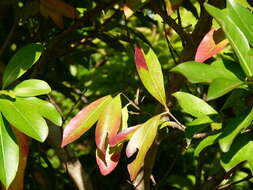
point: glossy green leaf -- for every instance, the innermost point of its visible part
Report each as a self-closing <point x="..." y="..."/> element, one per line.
<point x="241" y="150"/>
<point x="221" y="86"/>
<point x="24" y="118"/>
<point x="250" y="52"/>
<point x="200" y="121"/>
<point x="32" y="87"/>
<point x="236" y="38"/>
<point x="21" y="62"/>
<point x="150" y="72"/>
<point x="44" y="108"/>
<point x="141" y="140"/>
<point x="242" y="17"/>
<point x="232" y="129"/>
<point x="108" y="123"/>
<point x="208" y="141"/>
<point x="9" y="154"/>
<point x="84" y="120"/>
<point x="193" y="105"/>
<point x="202" y="73"/>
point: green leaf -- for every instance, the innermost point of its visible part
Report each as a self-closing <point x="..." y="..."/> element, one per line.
<point x="141" y="140"/>
<point x="44" y="108"/>
<point x="32" y="87"/>
<point x="150" y="72"/>
<point x="9" y="154"/>
<point x="242" y="17"/>
<point x="233" y="128"/>
<point x="236" y="38"/>
<point x="241" y="150"/>
<point x="21" y="62"/>
<point x="208" y="141"/>
<point x="84" y="120"/>
<point x="202" y="73"/>
<point x="221" y="86"/>
<point x="108" y="124"/>
<point x="25" y="119"/>
<point x="193" y="105"/>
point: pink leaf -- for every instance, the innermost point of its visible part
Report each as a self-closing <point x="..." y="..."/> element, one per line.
<point x="123" y="135"/>
<point x="108" y="161"/>
<point x="139" y="58"/>
<point x="209" y="46"/>
<point x="84" y="120"/>
<point x="108" y="124"/>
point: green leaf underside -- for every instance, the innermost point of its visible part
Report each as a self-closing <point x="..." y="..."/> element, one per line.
<point x="236" y="38"/>
<point x="241" y="150"/>
<point x="9" y="154"/>
<point x="84" y="120"/>
<point x="44" y="108"/>
<point x="193" y="105"/>
<point x="151" y="75"/>
<point x="141" y="140"/>
<point x="32" y="87"/>
<point x="221" y="86"/>
<point x="21" y="62"/>
<point x="25" y="119"/>
<point x="232" y="129"/>
<point x="242" y="17"/>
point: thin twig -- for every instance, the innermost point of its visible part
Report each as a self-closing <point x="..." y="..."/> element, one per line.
<point x="226" y="186"/>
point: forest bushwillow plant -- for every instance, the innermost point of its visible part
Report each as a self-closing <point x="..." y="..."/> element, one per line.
<point x="222" y="76"/>
<point x="20" y="109"/>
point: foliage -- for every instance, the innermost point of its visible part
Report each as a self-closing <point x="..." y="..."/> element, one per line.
<point x="167" y="83"/>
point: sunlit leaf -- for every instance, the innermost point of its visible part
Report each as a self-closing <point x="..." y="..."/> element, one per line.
<point x="21" y="62"/>
<point x="25" y="119"/>
<point x="233" y="128"/>
<point x="31" y="87"/>
<point x="242" y="17"/>
<point x="193" y="105"/>
<point x="9" y="154"/>
<point x="150" y="72"/>
<point x="241" y="150"/>
<point x="236" y="38"/>
<point x="208" y="47"/>
<point x="84" y="120"/>
<point x="108" y="124"/>
<point x="108" y="161"/>
<point x="141" y="141"/>
<point x="18" y="182"/>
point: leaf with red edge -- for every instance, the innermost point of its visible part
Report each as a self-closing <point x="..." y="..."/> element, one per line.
<point x="141" y="140"/>
<point x="23" y="142"/>
<point x="213" y="43"/>
<point x="108" y="161"/>
<point x="108" y="124"/>
<point x="150" y="72"/>
<point x="124" y="135"/>
<point x="84" y="120"/>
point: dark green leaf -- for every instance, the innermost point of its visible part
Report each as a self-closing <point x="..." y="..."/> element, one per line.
<point x="21" y="62"/>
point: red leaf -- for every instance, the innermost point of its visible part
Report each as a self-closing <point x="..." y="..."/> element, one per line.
<point x="84" y="120"/>
<point x="109" y="123"/>
<point x="123" y="135"/>
<point x="108" y="161"/>
<point x="140" y="59"/>
<point x="208" y="46"/>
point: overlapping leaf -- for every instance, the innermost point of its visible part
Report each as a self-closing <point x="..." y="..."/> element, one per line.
<point x="208" y="47"/>
<point x="32" y="87"/>
<point x="242" y="17"/>
<point x="25" y="119"/>
<point x="108" y="124"/>
<point x="21" y="62"/>
<point x="236" y="38"/>
<point x="150" y="72"/>
<point x="193" y="105"/>
<point x="9" y="154"/>
<point x="141" y="141"/>
<point x="84" y="120"/>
